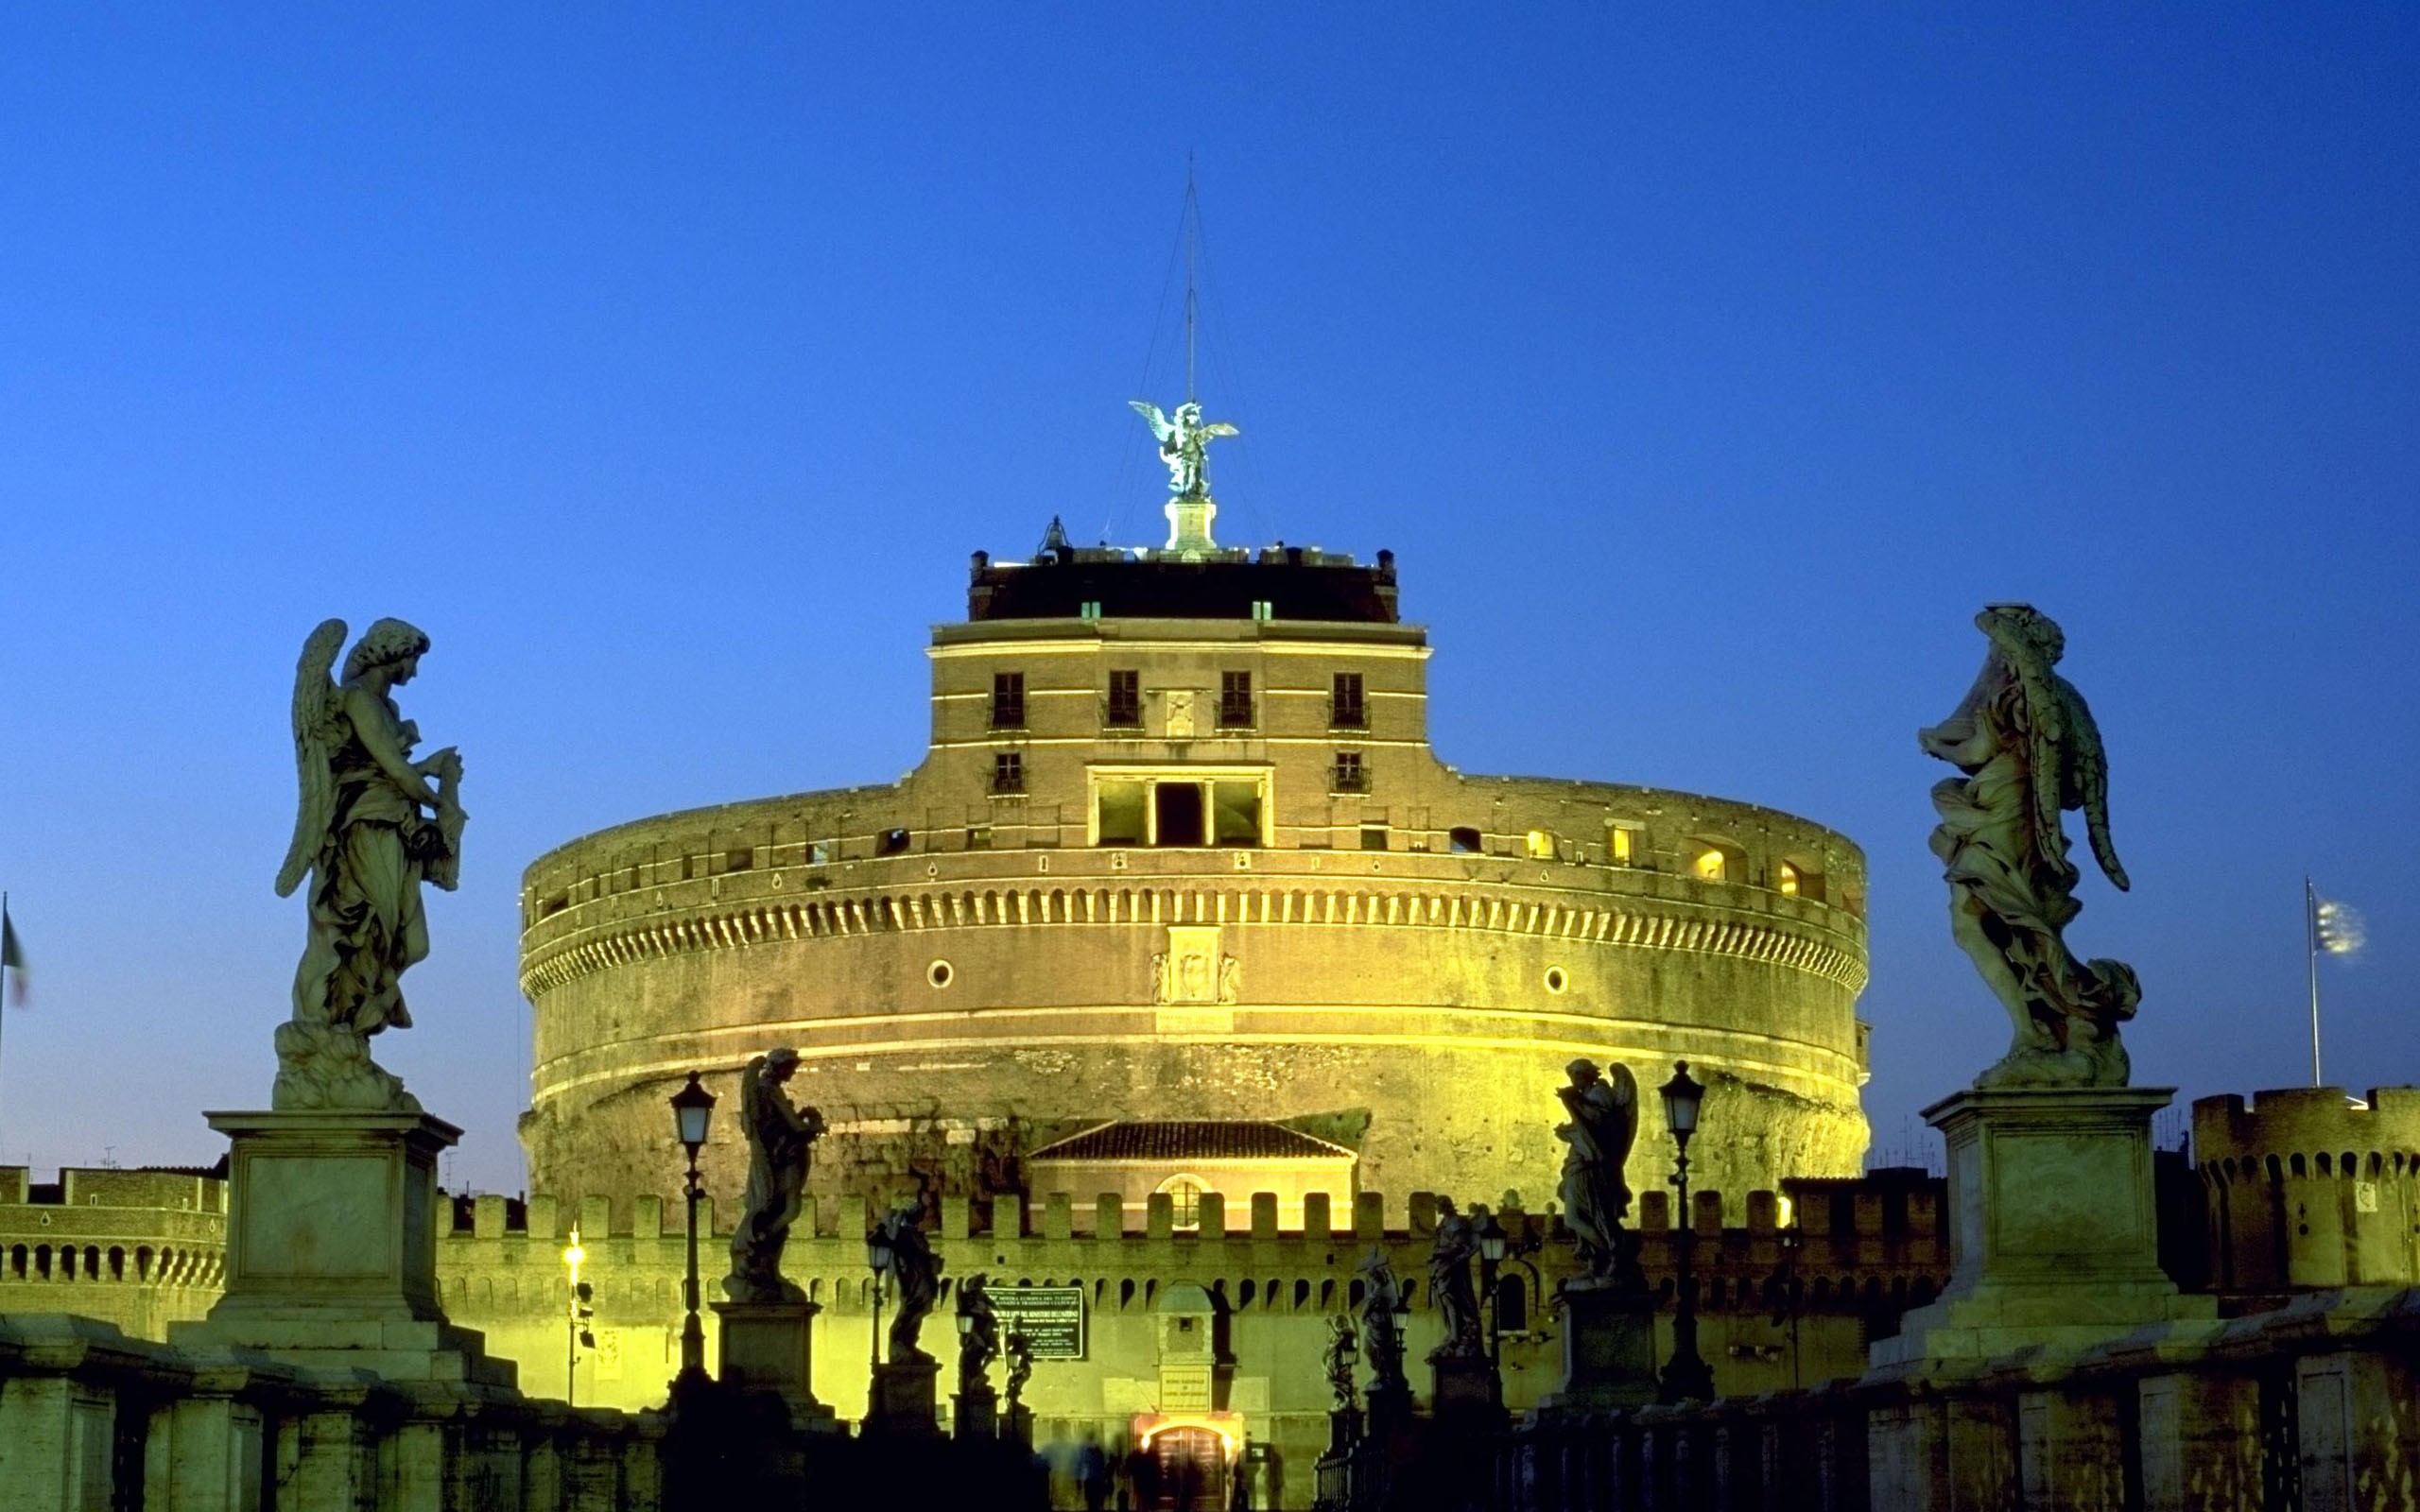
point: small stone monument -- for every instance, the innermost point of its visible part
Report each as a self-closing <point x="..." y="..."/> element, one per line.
<point x="975" y="1407"/>
<point x="767" y="1322"/>
<point x="332" y="1215"/>
<point x="1462" y="1379"/>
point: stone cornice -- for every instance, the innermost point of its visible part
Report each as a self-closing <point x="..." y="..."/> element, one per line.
<point x="1628" y="923"/>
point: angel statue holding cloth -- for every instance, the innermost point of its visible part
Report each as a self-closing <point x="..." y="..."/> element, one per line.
<point x="369" y="830"/>
<point x="2027" y="751"/>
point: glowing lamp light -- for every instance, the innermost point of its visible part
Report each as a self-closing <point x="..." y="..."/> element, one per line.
<point x="1492" y="1239"/>
<point x="573" y="1254"/>
<point x="878" y="1251"/>
<point x="693" y="1109"/>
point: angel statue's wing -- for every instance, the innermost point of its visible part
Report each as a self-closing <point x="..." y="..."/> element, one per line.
<point x="2041" y="718"/>
<point x="1150" y="413"/>
<point x="315" y="697"/>
<point x="1219" y="428"/>
<point x="2088" y="780"/>
<point x="1625" y="1087"/>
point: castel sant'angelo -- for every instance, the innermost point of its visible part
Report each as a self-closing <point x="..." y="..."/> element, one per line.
<point x="1180" y="899"/>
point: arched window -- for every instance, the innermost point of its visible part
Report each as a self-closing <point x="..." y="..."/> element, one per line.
<point x="1184" y="1200"/>
<point x="1462" y="840"/>
<point x="1541" y="844"/>
<point x="1786" y="880"/>
<point x="1710" y="864"/>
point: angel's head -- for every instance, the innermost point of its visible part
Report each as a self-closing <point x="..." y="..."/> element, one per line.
<point x="2023" y="628"/>
<point x="1581" y="1072"/>
<point x="780" y="1064"/>
<point x="390" y="643"/>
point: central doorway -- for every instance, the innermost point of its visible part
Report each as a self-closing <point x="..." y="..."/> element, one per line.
<point x="1180" y="812"/>
<point x="1193" y="1470"/>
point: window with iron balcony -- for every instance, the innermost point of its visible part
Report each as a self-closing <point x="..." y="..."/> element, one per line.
<point x="1008" y="772"/>
<point x="1008" y="700"/>
<point x="1235" y="700"/>
<point x="1125" y="708"/>
<point x="1349" y="776"/>
<point x="1345" y="709"/>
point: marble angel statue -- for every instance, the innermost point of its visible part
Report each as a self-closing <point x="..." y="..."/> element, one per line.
<point x="1597" y="1139"/>
<point x="2027" y="752"/>
<point x="373" y="826"/>
<point x="1185" y="444"/>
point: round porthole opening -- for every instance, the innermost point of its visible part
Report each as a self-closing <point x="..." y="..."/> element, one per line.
<point x="941" y="974"/>
<point x="1556" y="979"/>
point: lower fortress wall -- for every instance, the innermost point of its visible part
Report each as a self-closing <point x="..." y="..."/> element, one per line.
<point x="1861" y="1251"/>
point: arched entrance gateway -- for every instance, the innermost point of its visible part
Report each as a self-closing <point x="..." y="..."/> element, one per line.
<point x="1194" y="1454"/>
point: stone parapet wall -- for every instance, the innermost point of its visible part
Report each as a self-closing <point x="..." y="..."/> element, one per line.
<point x="2315" y="1406"/>
<point x="2307" y="1190"/>
<point x="91" y="1419"/>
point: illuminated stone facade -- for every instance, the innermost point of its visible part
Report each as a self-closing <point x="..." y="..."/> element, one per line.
<point x="2310" y="1191"/>
<point x="140" y="1249"/>
<point x="1180" y="850"/>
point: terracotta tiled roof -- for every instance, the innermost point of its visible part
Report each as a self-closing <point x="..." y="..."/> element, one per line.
<point x="1191" y="1139"/>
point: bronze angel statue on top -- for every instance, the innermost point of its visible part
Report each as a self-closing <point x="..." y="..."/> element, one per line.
<point x="369" y="830"/>
<point x="2030" y="751"/>
<point x="1185" y="444"/>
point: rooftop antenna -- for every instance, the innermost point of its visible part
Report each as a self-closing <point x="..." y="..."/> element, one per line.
<point x="1192" y="218"/>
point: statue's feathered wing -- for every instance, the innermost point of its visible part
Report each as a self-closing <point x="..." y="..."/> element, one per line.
<point x="2087" y="779"/>
<point x="1150" y="413"/>
<point x="314" y="699"/>
<point x="1625" y="1089"/>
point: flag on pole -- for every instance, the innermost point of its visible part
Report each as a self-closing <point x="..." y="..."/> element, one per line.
<point x="12" y="957"/>
<point x="2336" y="929"/>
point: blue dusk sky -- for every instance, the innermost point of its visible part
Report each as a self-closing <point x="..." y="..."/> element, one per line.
<point x="1705" y="373"/>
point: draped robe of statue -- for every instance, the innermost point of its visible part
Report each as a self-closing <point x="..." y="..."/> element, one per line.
<point x="780" y="1139"/>
<point x="979" y="1345"/>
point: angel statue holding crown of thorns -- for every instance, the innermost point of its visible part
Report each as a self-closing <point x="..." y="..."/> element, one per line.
<point x="369" y="830"/>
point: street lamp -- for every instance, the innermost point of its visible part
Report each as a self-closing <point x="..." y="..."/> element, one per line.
<point x="693" y="1109"/>
<point x="878" y="1261"/>
<point x="1686" y="1377"/>
<point x="576" y="1316"/>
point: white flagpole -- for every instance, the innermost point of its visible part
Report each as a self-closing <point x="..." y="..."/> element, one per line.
<point x="4" y="994"/>
<point x="2310" y="938"/>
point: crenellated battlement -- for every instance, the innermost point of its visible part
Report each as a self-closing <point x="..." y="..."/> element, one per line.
<point x="2309" y="1190"/>
<point x="1863" y="1239"/>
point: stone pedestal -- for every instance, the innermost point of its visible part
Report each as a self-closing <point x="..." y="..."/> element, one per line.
<point x="904" y="1397"/>
<point x="2054" y="1236"/>
<point x="974" y="1414"/>
<point x="1389" y="1408"/>
<point x="332" y="1247"/>
<point x="1608" y="1348"/>
<point x="767" y="1350"/>
<point x="1463" y="1386"/>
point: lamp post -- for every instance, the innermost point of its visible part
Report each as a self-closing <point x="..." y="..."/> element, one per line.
<point x="1686" y="1376"/>
<point x="693" y="1109"/>
<point x="575" y="1315"/>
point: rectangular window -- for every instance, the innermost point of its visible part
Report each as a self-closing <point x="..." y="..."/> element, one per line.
<point x="1619" y="843"/>
<point x="1262" y="610"/>
<point x="1350" y="775"/>
<point x="1373" y="837"/>
<point x="1008" y="700"/>
<point x="1088" y="610"/>
<point x="1125" y="700"/>
<point x="818" y="852"/>
<point x="978" y="837"/>
<point x="1008" y="772"/>
<point x="1345" y="709"/>
<point x="1235" y="700"/>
